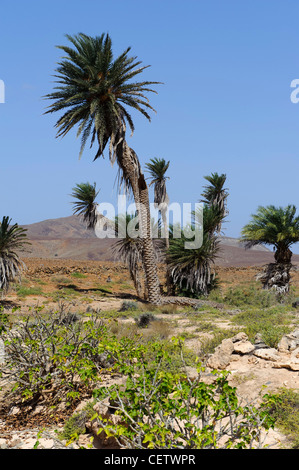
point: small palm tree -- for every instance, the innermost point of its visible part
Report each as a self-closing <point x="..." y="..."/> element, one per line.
<point x="94" y="91"/>
<point x="191" y="269"/>
<point x="216" y="194"/>
<point x="157" y="168"/>
<point x="86" y="205"/>
<point x="12" y="239"/>
<point x="277" y="226"/>
<point x="128" y="247"/>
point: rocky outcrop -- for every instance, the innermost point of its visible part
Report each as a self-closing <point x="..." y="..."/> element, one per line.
<point x="286" y="355"/>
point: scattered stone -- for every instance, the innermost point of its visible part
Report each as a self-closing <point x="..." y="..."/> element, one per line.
<point x="269" y="354"/>
<point x="289" y="342"/>
<point x="240" y="337"/>
<point x="222" y="355"/>
<point x="244" y="347"/>
<point x="259" y="343"/>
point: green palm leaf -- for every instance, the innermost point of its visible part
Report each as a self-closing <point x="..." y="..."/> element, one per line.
<point x="12" y="239"/>
<point x="277" y="226"/>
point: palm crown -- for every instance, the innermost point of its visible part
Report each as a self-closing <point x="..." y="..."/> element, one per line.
<point x="277" y="226"/>
<point x="157" y="168"/>
<point x="95" y="90"/>
<point x="215" y="194"/>
<point x="85" y="204"/>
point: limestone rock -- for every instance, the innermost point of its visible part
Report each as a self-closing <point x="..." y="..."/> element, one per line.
<point x="244" y="347"/>
<point x="221" y="357"/>
<point x="259" y="343"/>
<point x="269" y="354"/>
<point x="240" y="337"/>
<point x="289" y="342"/>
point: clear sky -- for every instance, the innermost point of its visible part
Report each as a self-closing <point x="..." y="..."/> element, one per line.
<point x="224" y="107"/>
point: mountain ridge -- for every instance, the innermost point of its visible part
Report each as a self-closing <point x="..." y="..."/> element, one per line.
<point x="69" y="238"/>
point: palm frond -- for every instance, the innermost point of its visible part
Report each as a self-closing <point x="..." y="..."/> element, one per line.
<point x="93" y="86"/>
<point x="13" y="238"/>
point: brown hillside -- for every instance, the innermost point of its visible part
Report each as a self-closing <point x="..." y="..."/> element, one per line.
<point x="68" y="238"/>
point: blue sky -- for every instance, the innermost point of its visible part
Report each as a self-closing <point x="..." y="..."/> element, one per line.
<point x="224" y="106"/>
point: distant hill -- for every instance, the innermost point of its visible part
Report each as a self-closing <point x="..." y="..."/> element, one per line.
<point x="56" y="229"/>
<point x="68" y="238"/>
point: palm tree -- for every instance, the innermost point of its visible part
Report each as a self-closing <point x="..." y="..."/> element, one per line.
<point x="277" y="226"/>
<point x="86" y="205"/>
<point x="128" y="247"/>
<point x="12" y="239"/>
<point x="191" y="269"/>
<point x="216" y="194"/>
<point x="94" y="91"/>
<point x="157" y="168"/>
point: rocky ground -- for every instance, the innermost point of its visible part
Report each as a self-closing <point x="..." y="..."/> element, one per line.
<point x="103" y="286"/>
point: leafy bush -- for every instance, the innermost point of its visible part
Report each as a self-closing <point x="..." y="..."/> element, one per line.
<point x="286" y="411"/>
<point x="128" y="305"/>
<point x="56" y="357"/>
<point x="144" y="319"/>
<point x="158" y="409"/>
<point x="271" y="323"/>
<point x="251" y="295"/>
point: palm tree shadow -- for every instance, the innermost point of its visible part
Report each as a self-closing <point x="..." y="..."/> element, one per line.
<point x="8" y="304"/>
<point x="103" y="290"/>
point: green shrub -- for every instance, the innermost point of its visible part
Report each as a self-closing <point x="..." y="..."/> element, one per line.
<point x="286" y="413"/>
<point x="78" y="275"/>
<point x="271" y="323"/>
<point x="158" y="409"/>
<point x="23" y="291"/>
<point x="56" y="357"/>
<point x="128" y="305"/>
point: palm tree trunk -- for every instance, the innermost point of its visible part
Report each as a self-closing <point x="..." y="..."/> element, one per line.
<point x="169" y="284"/>
<point x="165" y="225"/>
<point x="134" y="178"/>
<point x="149" y="261"/>
<point x="283" y="255"/>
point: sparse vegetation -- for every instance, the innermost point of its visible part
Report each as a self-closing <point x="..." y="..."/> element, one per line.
<point x="272" y="323"/>
<point x="285" y="409"/>
<point x="24" y="291"/>
<point x="161" y="409"/>
<point x="67" y="353"/>
<point x="12" y="239"/>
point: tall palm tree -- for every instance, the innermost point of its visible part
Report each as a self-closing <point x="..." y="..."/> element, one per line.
<point x="94" y="91"/>
<point x="157" y="168"/>
<point x="216" y="194"/>
<point x="12" y="239"/>
<point x="277" y="226"/>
